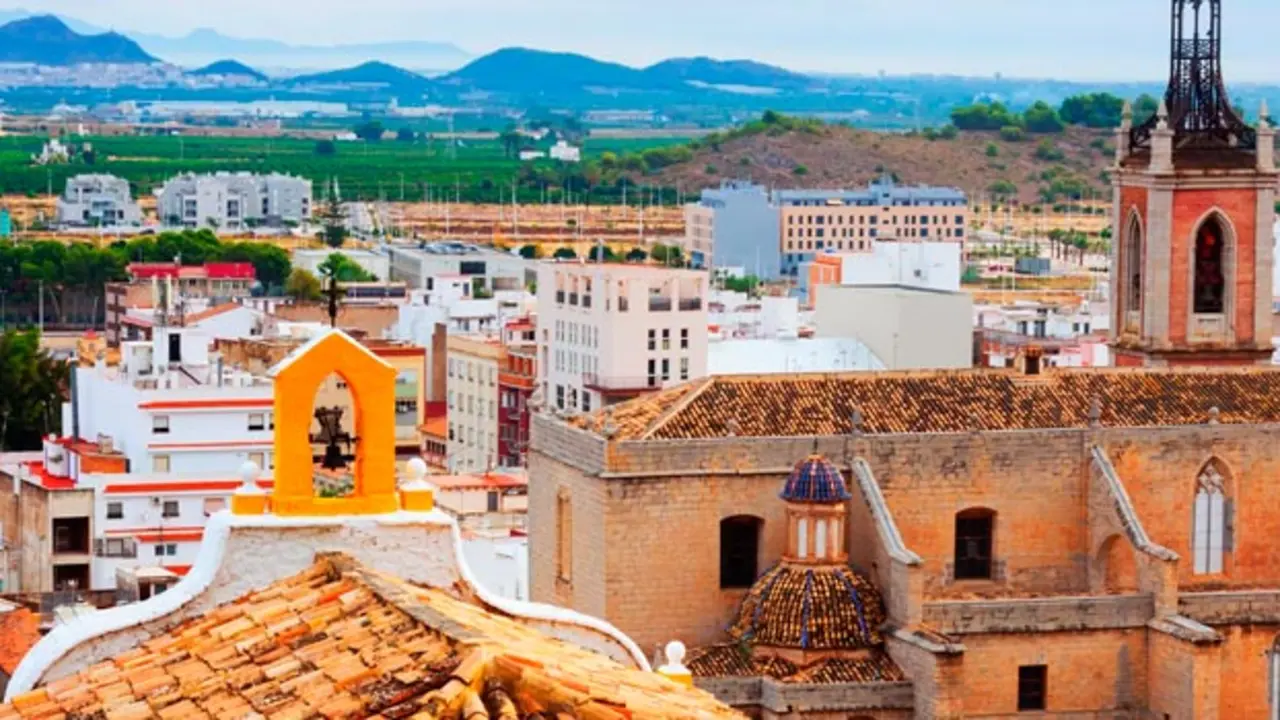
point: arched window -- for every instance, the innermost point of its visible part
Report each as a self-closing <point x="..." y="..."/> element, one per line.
<point x="802" y="538"/>
<point x="1210" y="278"/>
<point x="820" y="540"/>
<point x="974" y="531"/>
<point x="1209" y="537"/>
<point x="1133" y="265"/>
<point x="739" y="550"/>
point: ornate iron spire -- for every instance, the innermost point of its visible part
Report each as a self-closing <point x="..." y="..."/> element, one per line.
<point x="1200" y="112"/>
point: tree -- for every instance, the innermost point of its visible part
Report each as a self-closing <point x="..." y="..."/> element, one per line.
<point x="1049" y="152"/>
<point x="406" y="134"/>
<point x="1095" y="110"/>
<point x="639" y="255"/>
<point x="334" y="218"/>
<point x="746" y="284"/>
<point x="993" y="150"/>
<point x="593" y="255"/>
<point x="670" y="255"/>
<point x="511" y="140"/>
<point x="531" y="252"/>
<point x="32" y="387"/>
<point x="983" y="116"/>
<point x="564" y="253"/>
<point x="344" y="269"/>
<point x="1144" y="108"/>
<point x="303" y="286"/>
<point x="369" y="131"/>
<point x="326" y="148"/>
<point x="1040" y="118"/>
<point x="1012" y="133"/>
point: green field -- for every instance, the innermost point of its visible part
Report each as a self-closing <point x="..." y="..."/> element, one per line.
<point x="392" y="170"/>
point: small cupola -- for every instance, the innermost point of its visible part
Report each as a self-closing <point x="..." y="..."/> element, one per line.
<point x="815" y="495"/>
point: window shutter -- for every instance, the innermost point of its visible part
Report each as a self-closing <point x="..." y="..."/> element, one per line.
<point x="1229" y="526"/>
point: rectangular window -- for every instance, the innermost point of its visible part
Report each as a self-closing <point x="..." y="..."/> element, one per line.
<point x="973" y="545"/>
<point x="257" y="421"/>
<point x="666" y="339"/>
<point x="1032" y="686"/>
<point x="586" y="401"/>
<point x="653" y="339"/>
<point x="115" y="511"/>
<point x="684" y="338"/>
<point x="560" y="396"/>
<point x="160" y="424"/>
<point x="653" y="372"/>
<point x="170" y="509"/>
<point x="159" y="551"/>
<point x="666" y="369"/>
<point x="160" y="463"/>
<point x="684" y="368"/>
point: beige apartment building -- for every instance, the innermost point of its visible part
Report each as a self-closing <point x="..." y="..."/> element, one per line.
<point x="472" y="369"/>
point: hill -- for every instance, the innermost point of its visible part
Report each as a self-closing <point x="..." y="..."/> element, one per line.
<point x="371" y="74"/>
<point x="523" y="71"/>
<point x="230" y="67"/>
<point x="47" y="40"/>
<point x="205" y="45"/>
<point x="1039" y="169"/>
<point x="726" y="73"/>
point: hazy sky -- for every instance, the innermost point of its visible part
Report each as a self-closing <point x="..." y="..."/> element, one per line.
<point x="1084" y="39"/>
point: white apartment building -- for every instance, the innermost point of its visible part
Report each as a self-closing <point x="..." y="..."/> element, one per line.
<point x="420" y="267"/>
<point x="609" y="332"/>
<point x="932" y="265"/>
<point x="97" y="201"/>
<point x="377" y="264"/>
<point x="234" y="201"/>
<point x="472" y="395"/>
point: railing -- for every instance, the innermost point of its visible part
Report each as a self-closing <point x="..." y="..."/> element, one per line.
<point x="659" y="304"/>
<point x="694" y="304"/>
<point x="115" y="547"/>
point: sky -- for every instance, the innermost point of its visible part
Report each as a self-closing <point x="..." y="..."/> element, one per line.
<point x="1065" y="39"/>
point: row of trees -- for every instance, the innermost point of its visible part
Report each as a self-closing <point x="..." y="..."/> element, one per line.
<point x="1094" y="110"/>
<point x="670" y="255"/>
<point x="32" y="387"/>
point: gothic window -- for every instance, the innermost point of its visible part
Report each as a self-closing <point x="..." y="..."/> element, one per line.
<point x="1210" y="532"/>
<point x="739" y="550"/>
<point x="1210" y="280"/>
<point x="1133" y="265"/>
<point x="974" y="530"/>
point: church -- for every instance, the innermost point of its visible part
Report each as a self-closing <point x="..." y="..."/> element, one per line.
<point x="1079" y="543"/>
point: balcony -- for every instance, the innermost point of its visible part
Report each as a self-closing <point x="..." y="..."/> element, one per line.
<point x="619" y="386"/>
<point x="658" y="303"/>
<point x="115" y="548"/>
<point x="690" y="304"/>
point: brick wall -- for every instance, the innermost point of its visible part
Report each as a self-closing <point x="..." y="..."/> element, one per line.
<point x="1184" y="678"/>
<point x="1086" y="671"/>
<point x="1246" y="670"/>
<point x="937" y="678"/>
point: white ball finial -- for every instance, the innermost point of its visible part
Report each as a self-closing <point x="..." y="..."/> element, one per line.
<point x="676" y="651"/>
<point x="249" y="473"/>
<point x="416" y="468"/>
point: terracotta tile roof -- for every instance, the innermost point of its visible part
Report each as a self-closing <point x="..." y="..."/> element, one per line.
<point x="813" y="608"/>
<point x="19" y="631"/>
<point x="944" y="401"/>
<point x="734" y="661"/>
<point x="342" y="641"/>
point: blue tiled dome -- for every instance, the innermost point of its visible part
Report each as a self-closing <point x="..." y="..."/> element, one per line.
<point x="815" y="480"/>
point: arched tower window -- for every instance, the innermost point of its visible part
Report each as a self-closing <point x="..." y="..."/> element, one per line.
<point x="1132" y="265"/>
<point x="974" y="533"/>
<point x="1210" y="278"/>
<point x="739" y="550"/>
<point x="1209" y="538"/>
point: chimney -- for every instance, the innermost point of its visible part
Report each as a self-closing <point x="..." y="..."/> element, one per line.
<point x="75" y="402"/>
<point x="1033" y="361"/>
<point x="105" y="445"/>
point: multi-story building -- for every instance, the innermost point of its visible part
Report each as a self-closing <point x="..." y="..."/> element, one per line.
<point x="608" y="332"/>
<point x="377" y="264"/>
<point x="1032" y="541"/>
<point x="168" y="293"/>
<point x="905" y="327"/>
<point x="234" y="201"/>
<point x="473" y="366"/>
<point x="1067" y="334"/>
<point x="934" y="265"/>
<point x="517" y="379"/>
<point x="421" y="267"/>
<point x="813" y="221"/>
<point x="97" y="201"/>
<point x="735" y="224"/>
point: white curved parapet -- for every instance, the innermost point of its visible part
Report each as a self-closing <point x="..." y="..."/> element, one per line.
<point x="230" y="564"/>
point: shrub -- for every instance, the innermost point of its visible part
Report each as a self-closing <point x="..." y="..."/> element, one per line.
<point x="800" y="170"/>
<point x="1012" y="133"/>
<point x="993" y="150"/>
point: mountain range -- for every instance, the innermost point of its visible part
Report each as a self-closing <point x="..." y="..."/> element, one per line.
<point x="46" y="40"/>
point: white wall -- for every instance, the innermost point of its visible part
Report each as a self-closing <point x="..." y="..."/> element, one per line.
<point x="907" y="328"/>
<point x="500" y="564"/>
<point x="915" y="264"/>
<point x="240" y="322"/>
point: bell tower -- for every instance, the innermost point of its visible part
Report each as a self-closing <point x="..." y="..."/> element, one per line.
<point x="1194" y="208"/>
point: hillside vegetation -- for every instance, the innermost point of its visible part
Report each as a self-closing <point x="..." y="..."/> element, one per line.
<point x="782" y="152"/>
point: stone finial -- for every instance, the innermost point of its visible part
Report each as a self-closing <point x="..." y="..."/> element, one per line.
<point x="1122" y="132"/>
<point x="1126" y="114"/>
<point x="1264" y="120"/>
<point x="1214" y="415"/>
<point x="674" y="668"/>
<point x="608" y="428"/>
<point x="1162" y="142"/>
<point x="416" y="493"/>
<point x="1095" y="411"/>
<point x="1266" y="141"/>
<point x="733" y="428"/>
<point x="249" y="499"/>
<point x="1162" y="116"/>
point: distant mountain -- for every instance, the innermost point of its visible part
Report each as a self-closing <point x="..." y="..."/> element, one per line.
<point x="230" y="67"/>
<point x="378" y="75"/>
<point x="46" y="40"/>
<point x="84" y="28"/>
<point x="741" y="73"/>
<point x="206" y="46"/>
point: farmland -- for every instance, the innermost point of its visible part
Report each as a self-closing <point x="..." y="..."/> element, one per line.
<point x="472" y="170"/>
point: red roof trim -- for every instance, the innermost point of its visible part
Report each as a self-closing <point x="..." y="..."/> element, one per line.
<point x="206" y="404"/>
<point x="151" y="488"/>
<point x="209" y="445"/>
